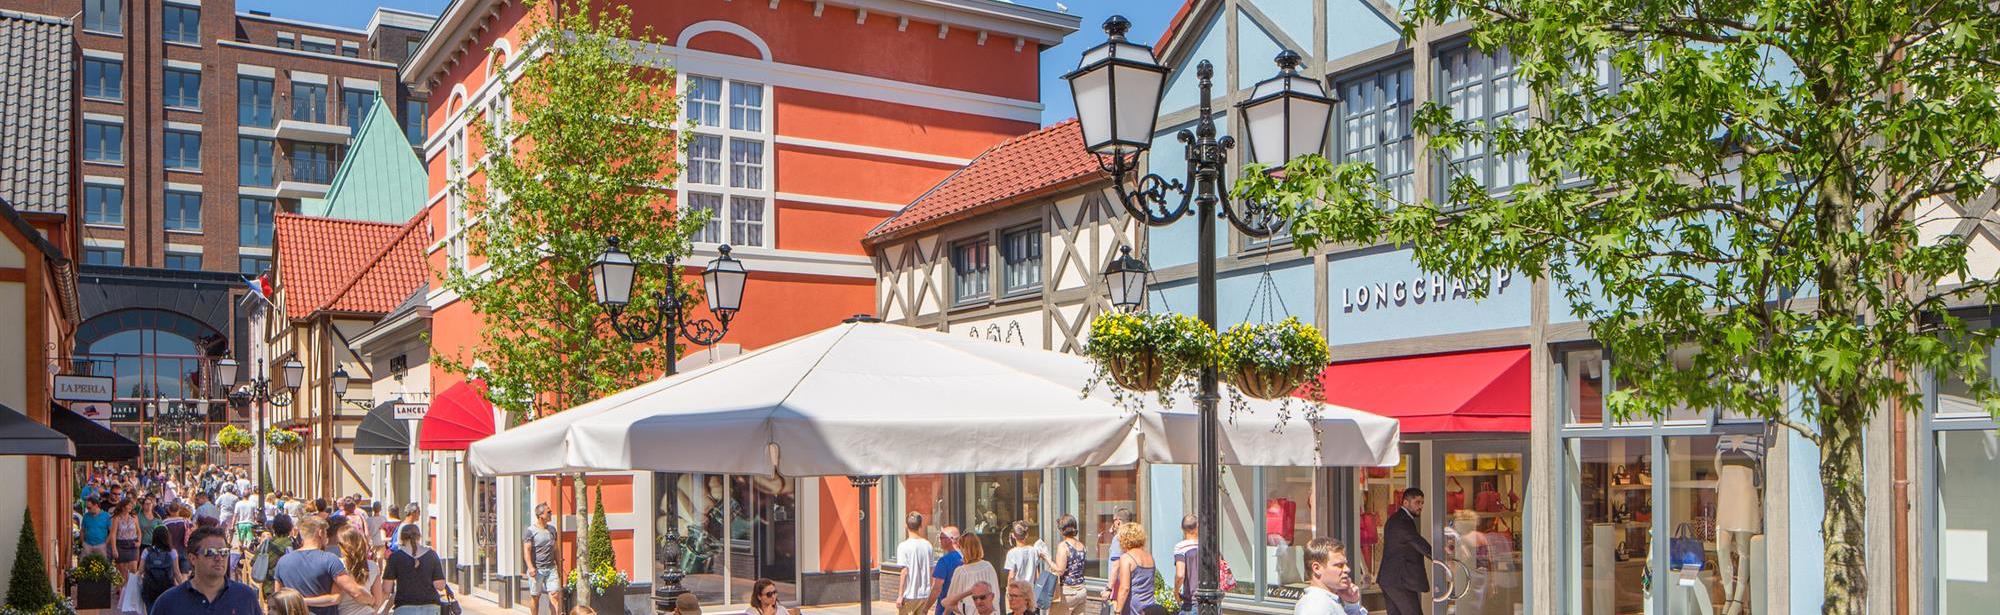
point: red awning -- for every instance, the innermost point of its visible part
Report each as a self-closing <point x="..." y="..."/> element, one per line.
<point x="1466" y="392"/>
<point x="457" y="418"/>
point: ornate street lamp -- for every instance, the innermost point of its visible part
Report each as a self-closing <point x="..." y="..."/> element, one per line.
<point x="612" y="275"/>
<point x="258" y="391"/>
<point x="1117" y="88"/>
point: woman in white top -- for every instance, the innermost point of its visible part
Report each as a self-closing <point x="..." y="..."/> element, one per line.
<point x="958" y="597"/>
<point x="1025" y="562"/>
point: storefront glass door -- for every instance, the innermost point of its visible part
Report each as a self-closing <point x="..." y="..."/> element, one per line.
<point x="1380" y="491"/>
<point x="485" y="563"/>
<point x="732" y="530"/>
<point x="1476" y="521"/>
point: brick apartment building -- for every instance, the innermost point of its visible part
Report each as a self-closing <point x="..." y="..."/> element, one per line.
<point x="198" y="123"/>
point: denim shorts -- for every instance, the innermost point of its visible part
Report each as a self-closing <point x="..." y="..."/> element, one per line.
<point x="544" y="583"/>
<point x="416" y="609"/>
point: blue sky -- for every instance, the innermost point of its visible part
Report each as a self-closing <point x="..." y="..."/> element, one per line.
<point x="1149" y="18"/>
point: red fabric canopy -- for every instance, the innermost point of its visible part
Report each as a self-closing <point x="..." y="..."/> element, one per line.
<point x="1467" y="392"/>
<point x="457" y="418"/>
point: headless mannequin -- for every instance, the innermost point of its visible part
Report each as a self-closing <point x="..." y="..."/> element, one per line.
<point x="1737" y="517"/>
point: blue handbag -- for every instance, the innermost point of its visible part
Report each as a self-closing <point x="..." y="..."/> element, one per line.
<point x="1685" y="549"/>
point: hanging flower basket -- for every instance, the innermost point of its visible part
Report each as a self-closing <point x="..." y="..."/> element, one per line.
<point x="166" y="448"/>
<point x="1270" y="361"/>
<point x="285" y="440"/>
<point x="234" y="439"/>
<point x="1148" y="352"/>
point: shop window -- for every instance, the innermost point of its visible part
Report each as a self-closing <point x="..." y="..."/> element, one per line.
<point x="1715" y="516"/>
<point x="1108" y="493"/>
<point x="1583" y="386"/>
<point x="1967" y="560"/>
<point x="998" y="500"/>
<point x="1609" y="542"/>
<point x="1380" y="491"/>
<point x="103" y="78"/>
<point x="1481" y="537"/>
<point x="181" y="24"/>
<point x="182" y="89"/>
<point x="1021" y="260"/>
<point x="970" y="270"/>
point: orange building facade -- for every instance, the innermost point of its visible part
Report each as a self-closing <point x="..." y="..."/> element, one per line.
<point x="827" y="118"/>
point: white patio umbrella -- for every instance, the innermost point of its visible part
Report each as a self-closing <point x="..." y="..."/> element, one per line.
<point x="863" y="399"/>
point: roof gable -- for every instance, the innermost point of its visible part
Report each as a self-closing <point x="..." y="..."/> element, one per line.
<point x="1006" y="174"/>
<point x="319" y="257"/>
<point x="36" y="72"/>
<point x="390" y="277"/>
<point x="381" y="179"/>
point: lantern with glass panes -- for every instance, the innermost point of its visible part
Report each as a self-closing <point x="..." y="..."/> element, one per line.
<point x="1117" y="87"/>
<point x="258" y="393"/>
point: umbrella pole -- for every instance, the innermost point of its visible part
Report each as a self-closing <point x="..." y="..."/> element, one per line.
<point x="866" y="485"/>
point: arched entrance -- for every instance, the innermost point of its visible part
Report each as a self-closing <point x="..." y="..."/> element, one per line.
<point x="157" y="359"/>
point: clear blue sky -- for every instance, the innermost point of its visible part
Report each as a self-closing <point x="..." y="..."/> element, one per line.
<point x="1149" y="18"/>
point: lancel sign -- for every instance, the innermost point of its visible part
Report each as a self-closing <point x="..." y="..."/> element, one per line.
<point x="1421" y="290"/>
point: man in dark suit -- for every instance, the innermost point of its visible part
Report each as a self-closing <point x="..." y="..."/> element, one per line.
<point x="1405" y="573"/>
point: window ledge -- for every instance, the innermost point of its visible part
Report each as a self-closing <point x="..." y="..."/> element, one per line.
<point x="105" y="225"/>
<point x="101" y="99"/>
<point x="181" y="44"/>
<point x="183" y="170"/>
<point x="108" y="163"/>
<point x="119" y="34"/>
<point x="184" y="231"/>
<point x="185" y="109"/>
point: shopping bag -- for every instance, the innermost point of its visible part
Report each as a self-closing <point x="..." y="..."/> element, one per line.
<point x="128" y="600"/>
<point x="1046" y="585"/>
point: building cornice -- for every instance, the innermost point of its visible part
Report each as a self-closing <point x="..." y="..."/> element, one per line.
<point x="304" y="54"/>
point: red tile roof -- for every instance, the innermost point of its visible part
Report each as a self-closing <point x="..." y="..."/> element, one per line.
<point x="1013" y="171"/>
<point x="1173" y="26"/>
<point x="345" y="265"/>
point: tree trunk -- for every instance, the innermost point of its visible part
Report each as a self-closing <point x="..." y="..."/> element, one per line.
<point x="1840" y="476"/>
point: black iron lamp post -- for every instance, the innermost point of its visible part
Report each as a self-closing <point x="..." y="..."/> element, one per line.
<point x="1117" y="88"/>
<point x="722" y="282"/>
<point x="259" y="393"/>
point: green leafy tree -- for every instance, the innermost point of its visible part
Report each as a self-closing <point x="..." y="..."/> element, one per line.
<point x="1760" y="207"/>
<point x="28" y="588"/>
<point x="583" y="151"/>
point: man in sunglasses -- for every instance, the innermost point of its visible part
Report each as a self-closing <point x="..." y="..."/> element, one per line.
<point x="209" y="592"/>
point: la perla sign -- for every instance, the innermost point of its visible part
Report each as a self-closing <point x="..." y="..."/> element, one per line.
<point x="1418" y="290"/>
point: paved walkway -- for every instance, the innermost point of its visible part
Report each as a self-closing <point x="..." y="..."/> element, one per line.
<point x="480" y="606"/>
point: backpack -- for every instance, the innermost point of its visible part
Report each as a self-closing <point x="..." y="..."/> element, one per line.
<point x="158" y="574"/>
<point x="266" y="562"/>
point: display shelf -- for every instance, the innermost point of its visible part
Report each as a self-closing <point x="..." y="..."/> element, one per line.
<point x="1697" y="484"/>
<point x="1630" y="487"/>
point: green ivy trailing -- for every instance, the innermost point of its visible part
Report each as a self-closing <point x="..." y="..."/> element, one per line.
<point x="28" y="588"/>
<point x="600" y="567"/>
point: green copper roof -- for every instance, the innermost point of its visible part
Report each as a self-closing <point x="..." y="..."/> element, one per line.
<point x="380" y="181"/>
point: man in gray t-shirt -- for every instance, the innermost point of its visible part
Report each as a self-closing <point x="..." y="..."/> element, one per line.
<point x="539" y="549"/>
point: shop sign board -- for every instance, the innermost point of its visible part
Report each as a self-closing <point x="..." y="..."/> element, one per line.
<point x="125" y="411"/>
<point x="410" y="412"/>
<point x="99" y="411"/>
<point x="1381" y="294"/>
<point x="83" y="388"/>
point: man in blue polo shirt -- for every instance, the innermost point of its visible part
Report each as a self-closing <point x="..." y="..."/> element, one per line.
<point x="209" y="592"/>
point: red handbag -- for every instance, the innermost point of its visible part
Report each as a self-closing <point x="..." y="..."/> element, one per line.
<point x="1454" y="500"/>
<point x="1488" y="502"/>
<point x="1280" y="514"/>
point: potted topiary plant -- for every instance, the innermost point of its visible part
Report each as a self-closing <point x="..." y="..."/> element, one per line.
<point x="93" y="582"/>
<point x="28" y="588"/>
<point x="1146" y="351"/>
<point x="600" y="574"/>
<point x="1271" y="360"/>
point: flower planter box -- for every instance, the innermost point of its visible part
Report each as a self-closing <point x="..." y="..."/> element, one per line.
<point x="611" y="602"/>
<point x="93" y="595"/>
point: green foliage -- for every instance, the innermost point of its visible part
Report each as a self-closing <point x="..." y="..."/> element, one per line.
<point x="600" y="567"/>
<point x="1286" y="345"/>
<point x="166" y="449"/>
<point x="96" y="568"/>
<point x="284" y="439"/>
<point x="1147" y="351"/>
<point x="1164" y="594"/>
<point x="28" y="587"/>
<point x="595" y="133"/>
<point x="1762" y="207"/>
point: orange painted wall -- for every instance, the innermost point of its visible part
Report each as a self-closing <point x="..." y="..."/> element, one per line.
<point x="876" y="123"/>
<point x="818" y="228"/>
<point x="807" y="170"/>
<point x="839" y="525"/>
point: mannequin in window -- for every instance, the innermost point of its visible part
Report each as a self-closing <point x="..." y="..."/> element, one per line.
<point x="1739" y="515"/>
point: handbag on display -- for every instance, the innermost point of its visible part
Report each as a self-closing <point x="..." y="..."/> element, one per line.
<point x="1488" y="502"/>
<point x="1280" y="515"/>
<point x="1454" y="500"/>
<point x="1487" y="463"/>
<point x="1685" y="548"/>
<point x="1378" y="472"/>
<point x="1457" y="463"/>
<point x="1618" y="476"/>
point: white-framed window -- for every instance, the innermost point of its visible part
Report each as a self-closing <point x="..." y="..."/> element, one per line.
<point x="104" y="16"/>
<point x="1482" y="88"/>
<point x="1021" y="260"/>
<point x="728" y="159"/>
<point x="1374" y="126"/>
<point x="454" y="203"/>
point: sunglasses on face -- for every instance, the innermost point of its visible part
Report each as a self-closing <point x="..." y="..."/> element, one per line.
<point x="212" y="552"/>
<point x="770" y="594"/>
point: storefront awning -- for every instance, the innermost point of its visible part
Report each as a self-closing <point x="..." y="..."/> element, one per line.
<point x="458" y="417"/>
<point x="93" y="441"/>
<point x="20" y="435"/>
<point x="381" y="433"/>
<point x="1482" y="391"/>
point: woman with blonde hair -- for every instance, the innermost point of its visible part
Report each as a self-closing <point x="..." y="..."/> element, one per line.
<point x="958" y="597"/>
<point x="354" y="555"/>
<point x="1131" y="588"/>
<point x="287" y="601"/>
